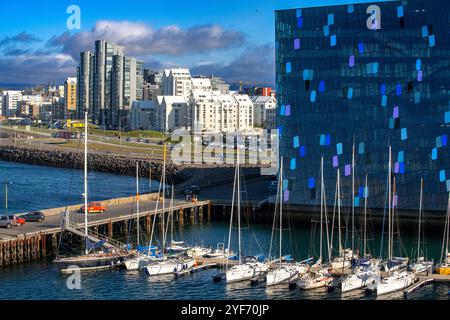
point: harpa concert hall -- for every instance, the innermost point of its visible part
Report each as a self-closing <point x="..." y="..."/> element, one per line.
<point x="354" y="80"/>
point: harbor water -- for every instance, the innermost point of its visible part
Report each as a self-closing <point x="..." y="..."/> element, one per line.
<point x="35" y="187"/>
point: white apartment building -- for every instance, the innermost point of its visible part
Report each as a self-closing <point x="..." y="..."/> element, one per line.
<point x="11" y="101"/>
<point x="171" y="113"/>
<point x="142" y="115"/>
<point x="213" y="111"/>
<point x="176" y="82"/>
<point x="264" y="111"/>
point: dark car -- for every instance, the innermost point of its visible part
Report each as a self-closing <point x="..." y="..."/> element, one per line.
<point x="35" y="216"/>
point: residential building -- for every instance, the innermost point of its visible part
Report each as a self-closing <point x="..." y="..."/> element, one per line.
<point x="85" y="84"/>
<point x="11" y="102"/>
<point x="70" y="97"/>
<point x="351" y="86"/>
<point x="176" y="82"/>
<point x="264" y="111"/>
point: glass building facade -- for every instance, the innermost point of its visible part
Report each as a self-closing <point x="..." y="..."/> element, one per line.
<point x="363" y="77"/>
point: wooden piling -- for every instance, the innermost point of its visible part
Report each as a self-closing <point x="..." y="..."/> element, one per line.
<point x="6" y="256"/>
<point x="13" y="250"/>
<point x="181" y="218"/>
<point x="1" y="254"/>
<point x="20" y="251"/>
<point x="148" y="223"/>
<point x="110" y="229"/>
<point x="209" y="211"/>
<point x="28" y="249"/>
<point x="192" y="216"/>
<point x="54" y="243"/>
<point x="200" y="214"/>
<point x="33" y="248"/>
<point x="44" y="245"/>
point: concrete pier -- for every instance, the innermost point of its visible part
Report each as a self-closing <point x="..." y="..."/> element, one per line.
<point x="25" y="243"/>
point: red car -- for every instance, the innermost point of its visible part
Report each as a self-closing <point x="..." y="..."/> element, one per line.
<point x="20" y="221"/>
<point x="17" y="221"/>
<point x="94" y="207"/>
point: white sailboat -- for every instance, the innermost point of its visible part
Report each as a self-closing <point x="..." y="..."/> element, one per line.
<point x="444" y="266"/>
<point x="398" y="278"/>
<point x="142" y="259"/>
<point x="362" y="273"/>
<point x="318" y="276"/>
<point x="283" y="272"/>
<point x="250" y="267"/>
<point x="421" y="265"/>
<point x="167" y="265"/>
<point x="99" y="255"/>
<point x="344" y="259"/>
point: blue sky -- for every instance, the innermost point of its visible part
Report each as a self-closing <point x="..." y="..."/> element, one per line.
<point x="219" y="37"/>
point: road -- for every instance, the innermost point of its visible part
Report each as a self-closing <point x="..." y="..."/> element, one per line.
<point x="114" y="213"/>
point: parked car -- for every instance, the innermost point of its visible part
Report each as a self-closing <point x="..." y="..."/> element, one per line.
<point x="94" y="207"/>
<point x="140" y="140"/>
<point x="147" y="141"/>
<point x="128" y="139"/>
<point x="35" y="216"/>
<point x="6" y="223"/>
<point x="20" y="221"/>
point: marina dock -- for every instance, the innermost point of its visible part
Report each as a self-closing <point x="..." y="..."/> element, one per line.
<point x="35" y="240"/>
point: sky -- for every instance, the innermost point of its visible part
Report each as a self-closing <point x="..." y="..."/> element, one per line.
<point x="233" y="39"/>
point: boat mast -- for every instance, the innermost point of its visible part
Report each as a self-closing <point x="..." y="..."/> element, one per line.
<point x="321" y="208"/>
<point x="281" y="205"/>
<point x="85" y="181"/>
<point x="420" y="218"/>
<point x="365" y="218"/>
<point x="239" y="202"/>
<point x="353" y="197"/>
<point x="231" y="214"/>
<point x="137" y="202"/>
<point x="445" y="239"/>
<point x="163" y="201"/>
<point x="339" y="208"/>
<point x="389" y="206"/>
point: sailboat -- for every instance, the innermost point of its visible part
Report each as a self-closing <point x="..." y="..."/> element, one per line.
<point x="318" y="276"/>
<point x="175" y="247"/>
<point x="344" y="259"/>
<point x="283" y="272"/>
<point x="398" y="278"/>
<point x="250" y="266"/>
<point x="421" y="265"/>
<point x="168" y="265"/>
<point x="143" y="258"/>
<point x="364" y="269"/>
<point x="444" y="266"/>
<point x="99" y="255"/>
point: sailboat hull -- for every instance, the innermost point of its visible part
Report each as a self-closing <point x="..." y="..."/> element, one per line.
<point x="168" y="267"/>
<point x="443" y="269"/>
<point x="395" y="283"/>
<point x="284" y="274"/>
<point x="245" y="272"/>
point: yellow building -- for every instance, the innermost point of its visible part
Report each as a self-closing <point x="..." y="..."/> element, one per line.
<point x="70" y="94"/>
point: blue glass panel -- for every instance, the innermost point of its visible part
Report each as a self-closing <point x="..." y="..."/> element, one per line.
<point x="327" y="140"/>
<point x="333" y="40"/>
<point x="288" y="67"/>
<point x="448" y="185"/>
<point x="424" y="31"/>
<point x="322" y="86"/>
<point x="351" y="61"/>
<point x="298" y="13"/>
<point x="282" y="110"/>
<point x="447" y="117"/>
<point x="400" y="11"/>
<point x="361" y="192"/>
<point x="311" y="183"/>
<point x="361" y="148"/>
<point x="438" y="142"/>
<point x="366" y="192"/>
<point x="418" y="64"/>
<point x="383" y="89"/>
<point x="401" y="156"/>
<point x="417" y="97"/>
<point x="402" y="168"/>
<point x="434" y="154"/>
<point x="398" y="90"/>
<point x="391" y="123"/>
<point x="302" y="151"/>
<point x="384" y="101"/>
<point x="285" y="184"/>
<point x="356" y="201"/>
<point x="431" y="40"/>
<point x="330" y="19"/>
<point x="296" y="142"/>
<point x="296" y="44"/>
<point x="293" y="164"/>
<point x="299" y="22"/>
<point x="313" y="96"/>
<point x="326" y="31"/>
<point x="350" y="93"/>
<point x="339" y="148"/>
<point x="442" y="175"/>
<point x="404" y="134"/>
<point x="444" y="140"/>
<point x="350" y="8"/>
<point x="322" y="139"/>
<point x="361" y="47"/>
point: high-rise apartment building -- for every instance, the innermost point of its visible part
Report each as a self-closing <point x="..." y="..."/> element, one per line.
<point x="176" y="82"/>
<point x="70" y="97"/>
<point x="108" y="83"/>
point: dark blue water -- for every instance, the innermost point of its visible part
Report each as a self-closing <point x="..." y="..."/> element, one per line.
<point x="34" y="187"/>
